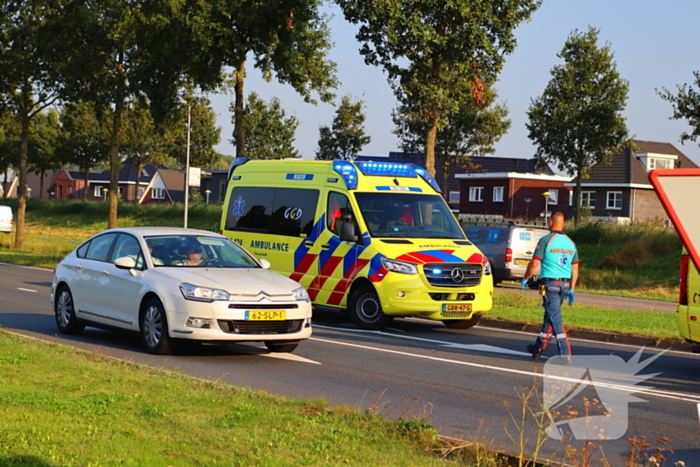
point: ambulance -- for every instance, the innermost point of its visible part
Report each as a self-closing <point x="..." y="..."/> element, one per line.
<point x="674" y="188"/>
<point x="373" y="239"/>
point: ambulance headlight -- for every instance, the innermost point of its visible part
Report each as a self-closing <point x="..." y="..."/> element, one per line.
<point x="399" y="266"/>
<point x="301" y="294"/>
<point x="487" y="269"/>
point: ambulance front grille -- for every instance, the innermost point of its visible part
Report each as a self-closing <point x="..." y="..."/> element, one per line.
<point x="453" y="274"/>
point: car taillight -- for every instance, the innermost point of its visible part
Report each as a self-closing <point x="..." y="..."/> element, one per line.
<point x="509" y="255"/>
<point x="683" y="287"/>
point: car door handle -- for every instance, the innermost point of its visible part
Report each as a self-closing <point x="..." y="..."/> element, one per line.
<point x="308" y="243"/>
<point x="105" y="273"/>
<point x="325" y="246"/>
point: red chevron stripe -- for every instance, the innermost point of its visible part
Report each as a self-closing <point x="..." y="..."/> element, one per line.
<point x="305" y="263"/>
<point x="330" y="265"/>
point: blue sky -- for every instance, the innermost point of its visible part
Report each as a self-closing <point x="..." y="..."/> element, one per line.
<point x="654" y="43"/>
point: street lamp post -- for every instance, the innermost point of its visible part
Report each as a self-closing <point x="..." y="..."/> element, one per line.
<point x="546" y="206"/>
<point x="106" y="192"/>
<point x="187" y="163"/>
<point x="207" y="192"/>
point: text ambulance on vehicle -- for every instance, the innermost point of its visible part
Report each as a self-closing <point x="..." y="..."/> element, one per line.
<point x="675" y="188"/>
<point x="375" y="239"/>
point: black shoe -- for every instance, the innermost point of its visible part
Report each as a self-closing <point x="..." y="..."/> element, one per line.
<point x="535" y="351"/>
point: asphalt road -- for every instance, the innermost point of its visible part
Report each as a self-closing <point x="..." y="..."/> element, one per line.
<point x="465" y="381"/>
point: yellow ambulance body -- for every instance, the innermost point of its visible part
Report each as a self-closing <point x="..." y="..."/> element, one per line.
<point x="374" y="239"/>
<point x="689" y="301"/>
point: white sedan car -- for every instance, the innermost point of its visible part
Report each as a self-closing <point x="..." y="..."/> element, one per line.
<point x="173" y="284"/>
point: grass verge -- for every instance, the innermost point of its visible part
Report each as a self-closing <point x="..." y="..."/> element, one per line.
<point x="519" y="307"/>
<point x="111" y="413"/>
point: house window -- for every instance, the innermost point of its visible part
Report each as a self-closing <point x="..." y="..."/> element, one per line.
<point x="498" y="194"/>
<point x="658" y="163"/>
<point x="588" y="199"/>
<point x="476" y="193"/>
<point x="553" y="197"/>
<point x="614" y="200"/>
<point x="454" y="197"/>
<point x="99" y="191"/>
<point x="158" y="193"/>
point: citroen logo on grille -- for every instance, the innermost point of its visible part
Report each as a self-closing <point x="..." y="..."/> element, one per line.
<point x="457" y="275"/>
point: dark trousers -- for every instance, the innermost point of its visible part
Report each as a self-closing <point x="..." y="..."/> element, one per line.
<point x="553" y="321"/>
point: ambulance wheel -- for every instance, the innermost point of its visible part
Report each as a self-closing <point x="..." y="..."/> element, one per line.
<point x="462" y="323"/>
<point x="366" y="311"/>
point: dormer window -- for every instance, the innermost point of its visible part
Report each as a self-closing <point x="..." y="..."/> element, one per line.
<point x="658" y="161"/>
<point x="655" y="163"/>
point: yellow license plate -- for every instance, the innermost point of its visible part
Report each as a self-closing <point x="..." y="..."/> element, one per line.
<point x="521" y="262"/>
<point x="457" y="307"/>
<point x="265" y="315"/>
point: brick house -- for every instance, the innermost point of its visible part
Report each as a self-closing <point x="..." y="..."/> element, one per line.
<point x="452" y="185"/>
<point x="514" y="195"/>
<point x="622" y="190"/>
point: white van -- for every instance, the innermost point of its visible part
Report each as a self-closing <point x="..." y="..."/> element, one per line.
<point x="7" y="223"/>
<point x="508" y="246"/>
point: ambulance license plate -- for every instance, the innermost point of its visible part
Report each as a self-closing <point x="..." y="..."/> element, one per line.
<point x="457" y="307"/>
<point x="265" y="315"/>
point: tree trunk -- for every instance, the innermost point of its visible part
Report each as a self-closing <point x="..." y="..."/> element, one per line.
<point x="238" y="130"/>
<point x="86" y="176"/>
<point x="430" y="139"/>
<point x="41" y="184"/>
<point x="577" y="200"/>
<point x="22" y="188"/>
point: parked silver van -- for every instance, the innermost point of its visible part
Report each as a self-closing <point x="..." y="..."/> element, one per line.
<point x="508" y="246"/>
<point x="7" y="223"/>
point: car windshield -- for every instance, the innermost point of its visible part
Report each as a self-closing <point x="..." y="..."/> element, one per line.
<point x="197" y="251"/>
<point x="408" y="216"/>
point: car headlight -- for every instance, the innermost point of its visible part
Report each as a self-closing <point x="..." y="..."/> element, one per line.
<point x="204" y="294"/>
<point x="301" y="294"/>
<point x="399" y="266"/>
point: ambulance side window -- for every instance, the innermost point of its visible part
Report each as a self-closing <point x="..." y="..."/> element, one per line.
<point x="277" y="211"/>
<point x="293" y="212"/>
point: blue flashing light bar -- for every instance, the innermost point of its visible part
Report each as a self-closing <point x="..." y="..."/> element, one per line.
<point x="425" y="175"/>
<point x="236" y="162"/>
<point x="348" y="173"/>
<point x="386" y="169"/>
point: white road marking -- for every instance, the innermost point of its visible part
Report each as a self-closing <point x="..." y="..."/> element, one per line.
<point x="26" y="290"/>
<point x="529" y="334"/>
<point x="279" y="355"/>
<point x="476" y="347"/>
<point x="694" y="398"/>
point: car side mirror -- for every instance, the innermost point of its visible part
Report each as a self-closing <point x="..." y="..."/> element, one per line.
<point x="265" y="263"/>
<point x="125" y="262"/>
<point x="348" y="232"/>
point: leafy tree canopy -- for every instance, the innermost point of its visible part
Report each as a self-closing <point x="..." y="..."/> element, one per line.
<point x="270" y="134"/>
<point x="471" y="130"/>
<point x="346" y="137"/>
<point x="437" y="53"/>
<point x="577" y="122"/>
<point x="686" y="105"/>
